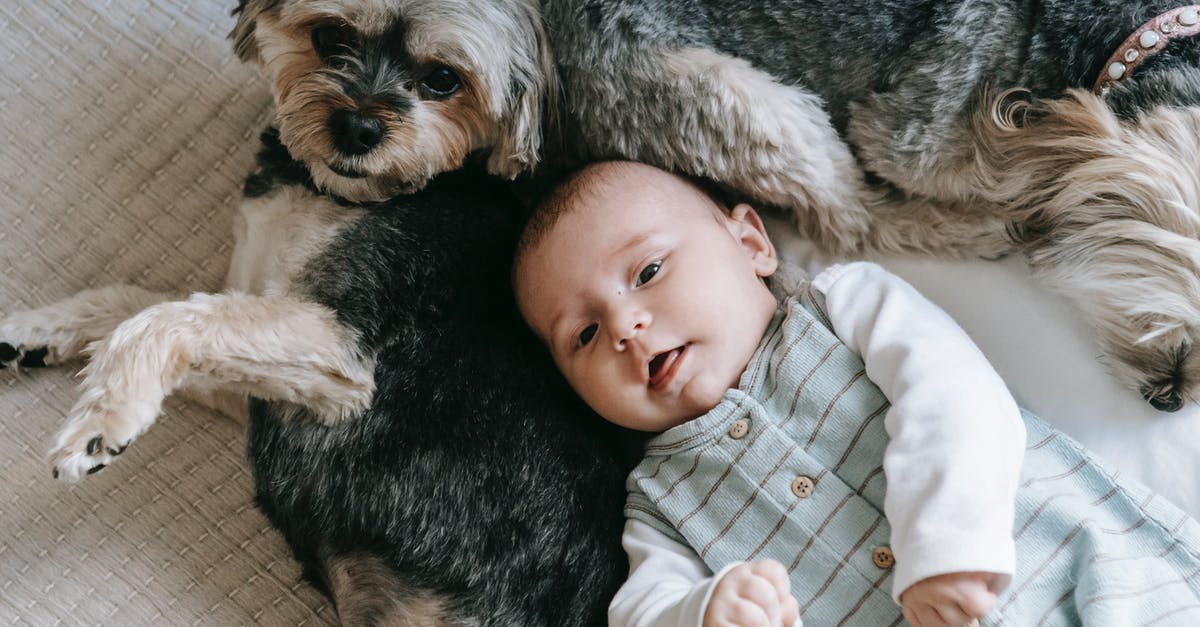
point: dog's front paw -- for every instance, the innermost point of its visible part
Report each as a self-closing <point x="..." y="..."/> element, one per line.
<point x="23" y="356"/>
<point x="91" y="440"/>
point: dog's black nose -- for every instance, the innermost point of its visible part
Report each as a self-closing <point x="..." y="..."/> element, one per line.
<point x="354" y="133"/>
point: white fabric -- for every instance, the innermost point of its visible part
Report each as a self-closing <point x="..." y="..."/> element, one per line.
<point x="956" y="438"/>
<point x="1048" y="357"/>
<point x="952" y="462"/>
<point x="668" y="586"/>
<point x="126" y="127"/>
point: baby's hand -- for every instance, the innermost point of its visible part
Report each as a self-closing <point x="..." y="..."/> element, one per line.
<point x="950" y="600"/>
<point x="755" y="594"/>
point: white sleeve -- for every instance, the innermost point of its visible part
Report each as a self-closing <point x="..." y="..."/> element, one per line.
<point x="668" y="586"/>
<point x="956" y="435"/>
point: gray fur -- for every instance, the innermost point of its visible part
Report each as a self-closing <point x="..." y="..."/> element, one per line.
<point x="882" y="125"/>
<point x="916" y="91"/>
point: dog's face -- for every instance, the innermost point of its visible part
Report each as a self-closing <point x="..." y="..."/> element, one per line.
<point x="377" y="96"/>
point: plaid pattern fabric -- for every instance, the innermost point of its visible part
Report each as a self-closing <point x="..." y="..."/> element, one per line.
<point x="731" y="485"/>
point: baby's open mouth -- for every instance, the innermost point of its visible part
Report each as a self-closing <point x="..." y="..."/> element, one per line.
<point x="664" y="365"/>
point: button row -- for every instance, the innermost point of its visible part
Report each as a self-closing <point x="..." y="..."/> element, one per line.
<point x="803" y="487"/>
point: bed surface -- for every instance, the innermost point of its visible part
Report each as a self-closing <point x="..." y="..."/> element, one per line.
<point x="127" y="129"/>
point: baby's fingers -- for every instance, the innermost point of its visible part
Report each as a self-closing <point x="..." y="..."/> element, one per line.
<point x="743" y="613"/>
<point x="937" y="615"/>
<point x="777" y="575"/>
<point x="761" y="592"/>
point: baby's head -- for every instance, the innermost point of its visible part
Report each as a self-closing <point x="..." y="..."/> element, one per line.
<point x="649" y="294"/>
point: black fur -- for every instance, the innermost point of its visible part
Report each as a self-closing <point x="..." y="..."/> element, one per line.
<point x="476" y="474"/>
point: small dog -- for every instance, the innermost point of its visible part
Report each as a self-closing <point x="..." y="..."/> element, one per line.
<point x="408" y="434"/>
<point x="882" y="126"/>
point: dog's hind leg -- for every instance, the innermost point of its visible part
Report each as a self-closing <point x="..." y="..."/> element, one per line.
<point x="367" y="592"/>
<point x="1109" y="214"/>
<point x="705" y="114"/>
<point x="277" y="348"/>
<point x="60" y="332"/>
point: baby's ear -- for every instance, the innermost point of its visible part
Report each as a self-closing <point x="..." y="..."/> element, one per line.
<point x="747" y="228"/>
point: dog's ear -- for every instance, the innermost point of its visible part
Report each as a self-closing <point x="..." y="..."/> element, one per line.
<point x="247" y="13"/>
<point x="531" y="107"/>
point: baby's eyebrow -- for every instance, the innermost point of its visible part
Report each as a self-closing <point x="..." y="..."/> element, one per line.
<point x="634" y="242"/>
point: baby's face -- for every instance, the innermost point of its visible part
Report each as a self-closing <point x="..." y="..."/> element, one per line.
<point x="650" y="298"/>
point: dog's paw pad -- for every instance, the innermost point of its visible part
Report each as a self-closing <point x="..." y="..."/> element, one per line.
<point x="20" y="356"/>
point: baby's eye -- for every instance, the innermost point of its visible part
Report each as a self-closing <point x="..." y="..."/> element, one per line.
<point x="587" y="334"/>
<point x="648" y="273"/>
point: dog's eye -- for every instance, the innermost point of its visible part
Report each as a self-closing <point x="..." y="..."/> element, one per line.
<point x="331" y="40"/>
<point x="441" y="82"/>
<point x="587" y="334"/>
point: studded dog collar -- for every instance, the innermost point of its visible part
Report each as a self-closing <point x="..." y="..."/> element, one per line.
<point x="1147" y="41"/>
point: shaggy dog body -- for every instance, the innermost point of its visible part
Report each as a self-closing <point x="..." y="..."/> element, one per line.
<point x="878" y="124"/>
<point x="882" y="125"/>
<point x="408" y="434"/>
<point x="476" y="489"/>
<point x="417" y="448"/>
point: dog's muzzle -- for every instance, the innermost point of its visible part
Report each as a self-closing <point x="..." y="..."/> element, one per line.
<point x="354" y="133"/>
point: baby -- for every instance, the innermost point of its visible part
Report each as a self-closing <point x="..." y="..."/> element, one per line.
<point x="836" y="450"/>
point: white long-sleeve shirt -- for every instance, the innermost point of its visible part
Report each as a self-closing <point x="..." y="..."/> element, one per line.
<point x="952" y="461"/>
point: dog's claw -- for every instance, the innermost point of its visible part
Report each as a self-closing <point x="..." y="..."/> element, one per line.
<point x="20" y="356"/>
<point x="35" y="358"/>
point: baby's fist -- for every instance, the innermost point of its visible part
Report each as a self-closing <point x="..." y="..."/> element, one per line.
<point x="754" y="594"/>
<point x="950" y="600"/>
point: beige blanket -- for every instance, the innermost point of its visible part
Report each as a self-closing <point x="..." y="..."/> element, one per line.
<point x="128" y="126"/>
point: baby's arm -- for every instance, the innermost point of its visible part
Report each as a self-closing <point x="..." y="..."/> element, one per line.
<point x="669" y="585"/>
<point x="957" y="439"/>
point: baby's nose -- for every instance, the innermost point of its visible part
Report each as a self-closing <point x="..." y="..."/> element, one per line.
<point x="629" y="336"/>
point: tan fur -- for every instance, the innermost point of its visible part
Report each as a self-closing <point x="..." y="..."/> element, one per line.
<point x="777" y="128"/>
<point x="1107" y="213"/>
<point x="488" y="113"/>
<point x="367" y="592"/>
<point x="227" y="342"/>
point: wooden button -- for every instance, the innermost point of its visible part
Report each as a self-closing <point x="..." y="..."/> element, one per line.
<point x="802" y="486"/>
<point x="739" y="429"/>
<point x="882" y="556"/>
